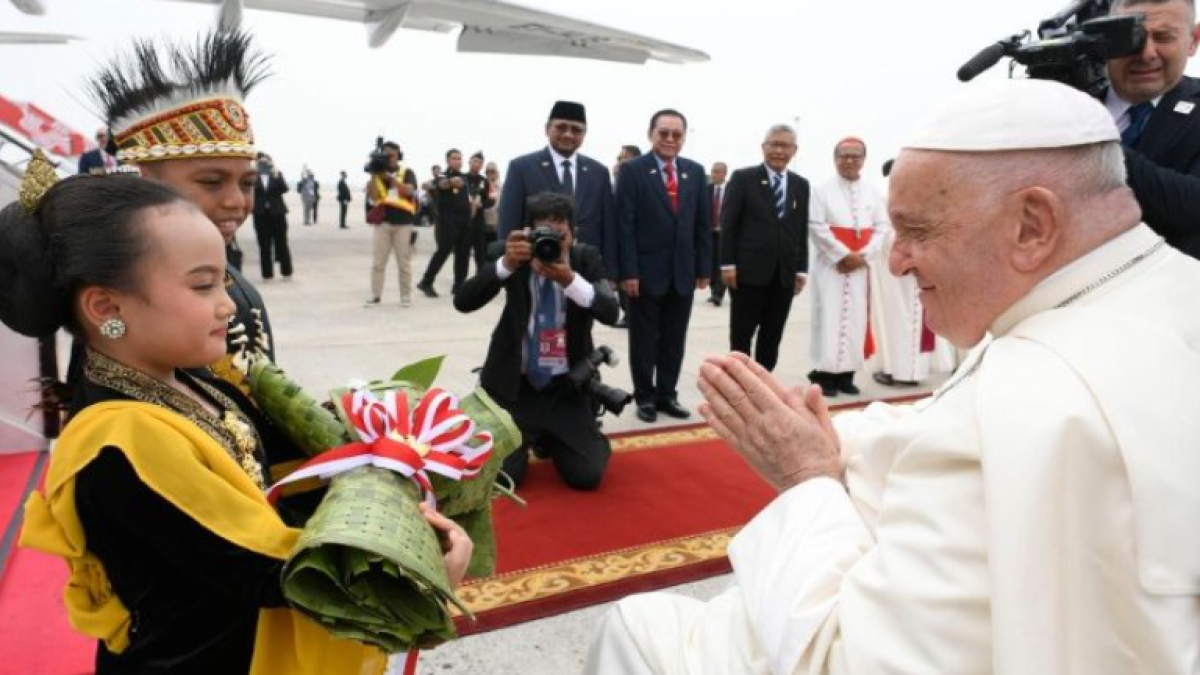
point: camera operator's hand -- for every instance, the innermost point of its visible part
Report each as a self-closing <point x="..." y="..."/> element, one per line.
<point x="517" y="249"/>
<point x="559" y="272"/>
<point x="456" y="182"/>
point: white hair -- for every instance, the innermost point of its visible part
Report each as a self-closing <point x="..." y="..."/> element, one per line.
<point x="779" y="129"/>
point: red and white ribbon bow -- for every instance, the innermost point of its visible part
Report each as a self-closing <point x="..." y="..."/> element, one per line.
<point x="434" y="437"/>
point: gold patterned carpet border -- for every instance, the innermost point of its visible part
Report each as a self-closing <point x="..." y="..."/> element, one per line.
<point x="663" y="438"/>
<point x="573" y="575"/>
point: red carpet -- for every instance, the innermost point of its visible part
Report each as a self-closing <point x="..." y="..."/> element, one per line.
<point x="668" y="505"/>
<point x="35" y="638"/>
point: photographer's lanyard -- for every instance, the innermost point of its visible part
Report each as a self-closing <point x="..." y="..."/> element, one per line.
<point x="548" y="338"/>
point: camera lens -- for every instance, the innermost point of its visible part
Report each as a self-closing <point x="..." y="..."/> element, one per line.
<point x="547" y="245"/>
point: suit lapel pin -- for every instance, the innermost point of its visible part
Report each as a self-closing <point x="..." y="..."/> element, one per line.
<point x="683" y="176"/>
<point x="764" y="182"/>
<point x="545" y="163"/>
<point x="1185" y="107"/>
<point x="583" y="168"/>
<point x="653" y="172"/>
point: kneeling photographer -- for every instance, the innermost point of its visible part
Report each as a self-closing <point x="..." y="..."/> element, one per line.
<point x="554" y="290"/>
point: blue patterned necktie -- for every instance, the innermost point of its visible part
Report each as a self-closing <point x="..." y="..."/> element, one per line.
<point x="780" y="198"/>
<point x="545" y="317"/>
<point x="1138" y="116"/>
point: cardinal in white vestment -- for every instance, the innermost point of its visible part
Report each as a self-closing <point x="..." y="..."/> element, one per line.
<point x="846" y="220"/>
<point x="1038" y="514"/>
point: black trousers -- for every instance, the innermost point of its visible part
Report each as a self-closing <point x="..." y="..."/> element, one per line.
<point x="716" y="288"/>
<point x="271" y="230"/>
<point x="761" y="309"/>
<point x="559" y="423"/>
<point x="479" y="242"/>
<point x="342" y="208"/>
<point x="657" y="338"/>
<point x="456" y="241"/>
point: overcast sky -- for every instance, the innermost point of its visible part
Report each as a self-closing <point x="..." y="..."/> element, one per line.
<point x="868" y="67"/>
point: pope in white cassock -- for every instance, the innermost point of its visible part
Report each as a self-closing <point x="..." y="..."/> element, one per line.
<point x="1040" y="513"/>
<point x="846" y="222"/>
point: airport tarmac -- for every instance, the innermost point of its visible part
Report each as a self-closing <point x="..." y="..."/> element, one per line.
<point x="326" y="337"/>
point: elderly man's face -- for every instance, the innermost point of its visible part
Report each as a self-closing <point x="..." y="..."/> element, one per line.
<point x="848" y="157"/>
<point x="778" y="150"/>
<point x="1171" y="39"/>
<point x="949" y="238"/>
<point x="667" y="136"/>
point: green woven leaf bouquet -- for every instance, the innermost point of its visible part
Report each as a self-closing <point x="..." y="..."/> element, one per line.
<point x="367" y="565"/>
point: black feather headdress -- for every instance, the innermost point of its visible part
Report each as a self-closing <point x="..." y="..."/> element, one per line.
<point x="153" y="80"/>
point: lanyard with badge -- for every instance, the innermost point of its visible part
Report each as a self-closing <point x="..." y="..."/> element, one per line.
<point x="551" y="339"/>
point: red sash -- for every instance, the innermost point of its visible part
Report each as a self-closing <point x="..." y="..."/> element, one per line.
<point x="856" y="240"/>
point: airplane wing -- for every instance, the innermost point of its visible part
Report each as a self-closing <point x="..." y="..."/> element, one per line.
<point x="34" y="7"/>
<point x="485" y="26"/>
<point x="11" y="38"/>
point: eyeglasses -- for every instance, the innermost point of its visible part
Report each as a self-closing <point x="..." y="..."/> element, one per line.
<point x="671" y="134"/>
<point x="780" y="145"/>
<point x="564" y="127"/>
<point x="851" y="157"/>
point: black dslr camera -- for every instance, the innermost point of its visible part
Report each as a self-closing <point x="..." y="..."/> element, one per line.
<point x="547" y="244"/>
<point x="586" y="376"/>
<point x="1073" y="48"/>
<point x="378" y="162"/>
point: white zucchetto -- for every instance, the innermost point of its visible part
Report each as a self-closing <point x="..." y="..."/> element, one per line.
<point x="1002" y="115"/>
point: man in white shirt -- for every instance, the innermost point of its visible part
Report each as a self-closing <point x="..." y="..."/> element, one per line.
<point x="1035" y="516"/>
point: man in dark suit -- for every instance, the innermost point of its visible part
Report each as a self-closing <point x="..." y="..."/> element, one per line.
<point x="1157" y="109"/>
<point x="270" y="219"/>
<point x="453" y="191"/>
<point x="343" y="197"/>
<point x="716" y="197"/>
<point x="664" y="227"/>
<point x="764" y="246"/>
<point x="559" y="167"/>
<point x="97" y="161"/>
<point x="545" y="330"/>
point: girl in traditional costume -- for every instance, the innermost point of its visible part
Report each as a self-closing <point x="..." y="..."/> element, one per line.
<point x="154" y="493"/>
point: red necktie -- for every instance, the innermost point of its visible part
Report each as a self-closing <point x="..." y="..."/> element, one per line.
<point x="716" y="207"/>
<point x="672" y="186"/>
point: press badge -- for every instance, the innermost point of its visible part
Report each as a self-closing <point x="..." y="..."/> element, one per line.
<point x="552" y="348"/>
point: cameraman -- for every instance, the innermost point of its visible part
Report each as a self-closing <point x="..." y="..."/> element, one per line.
<point x="392" y="202"/>
<point x="548" y="311"/>
<point x="1157" y="110"/>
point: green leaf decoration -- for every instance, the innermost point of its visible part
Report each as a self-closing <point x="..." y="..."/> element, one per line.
<point x="421" y="373"/>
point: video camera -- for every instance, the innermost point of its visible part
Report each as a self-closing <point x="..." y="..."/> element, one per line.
<point x="586" y="376"/>
<point x="1073" y="48"/>
<point x="378" y="162"/>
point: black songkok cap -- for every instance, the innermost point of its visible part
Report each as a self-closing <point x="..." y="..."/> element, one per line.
<point x="568" y="110"/>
